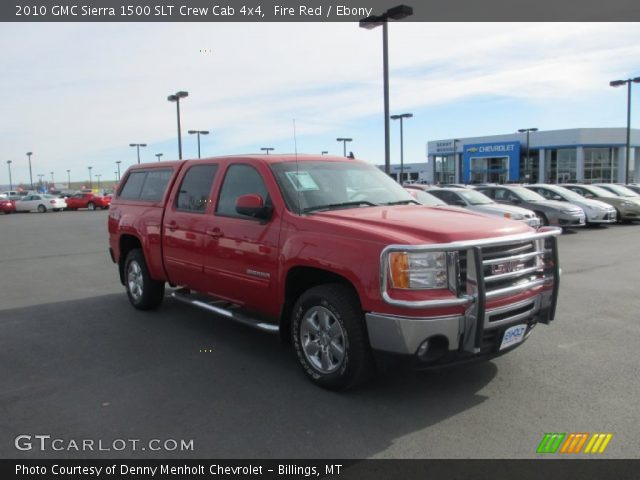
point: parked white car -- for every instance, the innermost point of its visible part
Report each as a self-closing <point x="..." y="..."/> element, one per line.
<point x="480" y="203"/>
<point x="40" y="203"/>
<point x="594" y="210"/>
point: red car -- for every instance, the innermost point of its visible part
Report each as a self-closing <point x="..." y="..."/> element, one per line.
<point x="7" y="205"/>
<point x="88" y="200"/>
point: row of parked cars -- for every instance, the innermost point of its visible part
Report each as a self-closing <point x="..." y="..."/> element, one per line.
<point x="567" y="205"/>
<point x="11" y="202"/>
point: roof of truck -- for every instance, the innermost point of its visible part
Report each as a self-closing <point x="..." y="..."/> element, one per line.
<point x="271" y="158"/>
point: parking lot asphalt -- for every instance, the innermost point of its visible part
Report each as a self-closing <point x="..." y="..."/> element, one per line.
<point x="77" y="362"/>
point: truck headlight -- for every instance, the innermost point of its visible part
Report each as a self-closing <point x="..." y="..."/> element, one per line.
<point x="418" y="270"/>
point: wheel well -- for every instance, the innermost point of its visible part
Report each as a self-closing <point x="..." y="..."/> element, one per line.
<point x="127" y="243"/>
<point x="299" y="280"/>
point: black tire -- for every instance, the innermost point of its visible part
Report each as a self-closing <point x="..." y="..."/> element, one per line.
<point x="356" y="365"/>
<point x="42" y="209"/>
<point x="136" y="274"/>
<point x="544" y="221"/>
<point x="91" y="206"/>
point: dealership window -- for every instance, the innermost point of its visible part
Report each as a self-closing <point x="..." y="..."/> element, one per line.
<point x="445" y="169"/>
<point x="600" y="165"/>
<point x="529" y="166"/>
<point x="560" y="165"/>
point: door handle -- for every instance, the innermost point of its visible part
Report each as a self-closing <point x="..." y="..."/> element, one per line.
<point x="172" y="226"/>
<point x="214" y="232"/>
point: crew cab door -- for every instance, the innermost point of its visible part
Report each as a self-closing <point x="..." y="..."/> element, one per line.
<point x="184" y="225"/>
<point x="241" y="252"/>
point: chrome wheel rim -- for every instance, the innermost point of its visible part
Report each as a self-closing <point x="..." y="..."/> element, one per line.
<point x="134" y="280"/>
<point x="322" y="339"/>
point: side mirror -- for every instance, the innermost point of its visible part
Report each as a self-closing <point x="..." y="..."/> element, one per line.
<point x="252" y="205"/>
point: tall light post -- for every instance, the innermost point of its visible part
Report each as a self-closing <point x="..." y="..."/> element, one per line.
<point x="396" y="13"/>
<point x="52" y="181"/>
<point x="526" y="160"/>
<point x="267" y="149"/>
<point x="159" y="155"/>
<point x="344" y="144"/>
<point x="69" y="179"/>
<point x="199" y="132"/>
<point x="138" y="145"/>
<point x="30" y="174"/>
<point x="118" y="164"/>
<point x="90" y="179"/>
<point x="98" y="175"/>
<point x="10" y="179"/>
<point x="619" y="83"/>
<point x="176" y="98"/>
<point x="401" y="117"/>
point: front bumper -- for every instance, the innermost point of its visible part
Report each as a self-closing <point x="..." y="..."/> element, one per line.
<point x="405" y="335"/>
<point x="567" y="220"/>
<point x="607" y="216"/>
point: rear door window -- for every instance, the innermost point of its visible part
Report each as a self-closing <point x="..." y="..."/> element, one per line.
<point x="195" y="189"/>
<point x="146" y="185"/>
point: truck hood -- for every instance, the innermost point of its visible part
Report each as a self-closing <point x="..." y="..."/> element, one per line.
<point x="416" y="224"/>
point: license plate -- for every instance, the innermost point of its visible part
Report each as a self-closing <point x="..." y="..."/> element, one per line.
<point x="513" y="335"/>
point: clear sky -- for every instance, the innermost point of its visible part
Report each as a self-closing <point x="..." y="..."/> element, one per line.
<point x="79" y="94"/>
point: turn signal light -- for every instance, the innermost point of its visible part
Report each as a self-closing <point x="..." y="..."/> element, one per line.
<point x="399" y="269"/>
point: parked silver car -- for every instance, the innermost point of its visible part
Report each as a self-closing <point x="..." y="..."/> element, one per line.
<point x="480" y="203"/>
<point x="595" y="211"/>
<point x="550" y="212"/>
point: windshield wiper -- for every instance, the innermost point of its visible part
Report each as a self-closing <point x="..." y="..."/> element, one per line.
<point x="403" y="202"/>
<point x="331" y="206"/>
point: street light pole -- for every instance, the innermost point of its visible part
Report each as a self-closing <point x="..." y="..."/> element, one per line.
<point x="30" y="174"/>
<point x="176" y="98"/>
<point x="10" y="179"/>
<point x="401" y="117"/>
<point x="118" y="164"/>
<point x="98" y="175"/>
<point x="159" y="155"/>
<point x="619" y="83"/>
<point x="52" y="181"/>
<point x="396" y="13"/>
<point x="526" y="160"/>
<point x="266" y="149"/>
<point x="199" y="132"/>
<point x="90" y="179"/>
<point x="456" y="164"/>
<point x="138" y="145"/>
<point x="344" y="144"/>
<point x="69" y="179"/>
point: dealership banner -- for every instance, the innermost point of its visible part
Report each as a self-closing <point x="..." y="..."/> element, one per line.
<point x="335" y="469"/>
<point x="317" y="11"/>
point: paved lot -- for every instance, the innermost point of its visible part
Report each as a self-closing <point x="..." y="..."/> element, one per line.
<point x="77" y="362"/>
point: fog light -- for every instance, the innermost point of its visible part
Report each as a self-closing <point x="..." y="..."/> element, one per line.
<point x="423" y="348"/>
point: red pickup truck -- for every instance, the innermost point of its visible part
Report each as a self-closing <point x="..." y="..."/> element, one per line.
<point x="336" y="257"/>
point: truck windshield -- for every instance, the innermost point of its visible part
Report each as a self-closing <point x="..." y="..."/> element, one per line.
<point x="326" y="185"/>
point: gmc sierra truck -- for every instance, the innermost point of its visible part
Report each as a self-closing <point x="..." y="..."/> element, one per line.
<point x="334" y="256"/>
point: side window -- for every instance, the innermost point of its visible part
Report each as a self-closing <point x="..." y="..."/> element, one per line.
<point x="132" y="188"/>
<point x="512" y="197"/>
<point x="195" y="188"/>
<point x="499" y="194"/>
<point x="240" y="180"/>
<point x="489" y="193"/>
<point x="155" y="185"/>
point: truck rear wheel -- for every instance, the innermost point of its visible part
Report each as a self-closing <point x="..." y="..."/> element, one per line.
<point x="330" y="338"/>
<point x="144" y="292"/>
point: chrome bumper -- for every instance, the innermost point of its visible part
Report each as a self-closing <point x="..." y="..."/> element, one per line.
<point x="404" y="335"/>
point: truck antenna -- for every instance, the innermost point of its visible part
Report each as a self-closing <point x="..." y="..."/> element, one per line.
<point x="295" y="149"/>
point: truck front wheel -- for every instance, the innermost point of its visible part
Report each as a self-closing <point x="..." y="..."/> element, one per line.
<point x="144" y="292"/>
<point x="330" y="338"/>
